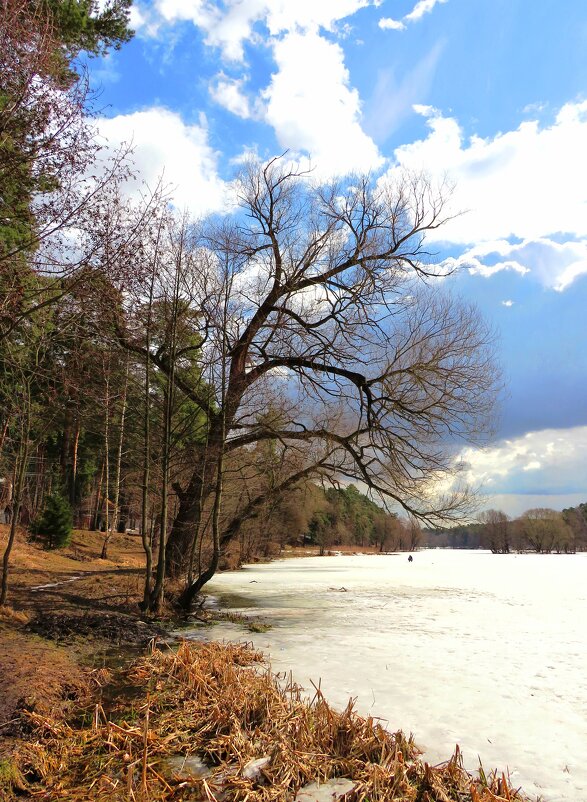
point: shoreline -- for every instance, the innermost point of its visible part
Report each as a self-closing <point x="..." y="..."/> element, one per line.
<point x="70" y="656"/>
<point x="210" y="721"/>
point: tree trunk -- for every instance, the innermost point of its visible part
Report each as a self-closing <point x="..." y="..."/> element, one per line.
<point x="145" y="537"/>
<point x="3" y="434"/>
<point x="115" y="510"/>
<point x="65" y="448"/>
<point x="98" y="506"/>
<point x="157" y="595"/>
<point x="39" y="481"/>
<point x="185" y="525"/>
<point x="22" y="461"/>
<point x="74" y="462"/>
<point x="107" y="452"/>
<point x="156" y="600"/>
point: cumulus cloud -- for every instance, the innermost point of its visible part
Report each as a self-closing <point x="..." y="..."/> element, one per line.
<point x="228" y="27"/>
<point x="389" y="24"/>
<point x="165" y="145"/>
<point x="529" y="184"/>
<point x="554" y="264"/>
<point x="549" y="461"/>
<point x="228" y="92"/>
<point x="309" y="102"/>
<point x="312" y="107"/>
<point x="136" y="18"/>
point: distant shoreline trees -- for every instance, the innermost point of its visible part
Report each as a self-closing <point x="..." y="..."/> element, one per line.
<point x="539" y="530"/>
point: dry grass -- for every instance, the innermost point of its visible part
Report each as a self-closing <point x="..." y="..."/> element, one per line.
<point x="221" y="702"/>
<point x="83" y="553"/>
<point x="75" y="578"/>
<point x="16" y="617"/>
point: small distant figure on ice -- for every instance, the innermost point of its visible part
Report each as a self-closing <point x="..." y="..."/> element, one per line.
<point x="410" y="559"/>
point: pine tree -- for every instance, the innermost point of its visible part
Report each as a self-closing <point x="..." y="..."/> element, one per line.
<point x="56" y="522"/>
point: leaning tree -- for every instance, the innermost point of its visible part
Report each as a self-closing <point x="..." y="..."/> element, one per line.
<point x="324" y="328"/>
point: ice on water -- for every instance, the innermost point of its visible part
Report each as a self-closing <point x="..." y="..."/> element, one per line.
<point x="487" y="651"/>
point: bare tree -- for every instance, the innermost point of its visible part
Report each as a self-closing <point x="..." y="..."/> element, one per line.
<point x="496" y="531"/>
<point x="545" y="530"/>
<point x="323" y="300"/>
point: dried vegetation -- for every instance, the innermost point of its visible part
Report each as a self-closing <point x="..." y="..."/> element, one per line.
<point x="221" y="702"/>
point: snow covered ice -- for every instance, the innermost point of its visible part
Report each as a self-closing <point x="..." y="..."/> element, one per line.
<point x="487" y="651"/>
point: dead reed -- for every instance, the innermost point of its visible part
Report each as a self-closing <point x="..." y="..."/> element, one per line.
<point x="221" y="702"/>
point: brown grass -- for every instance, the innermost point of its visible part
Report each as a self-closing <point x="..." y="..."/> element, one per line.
<point x="74" y="578"/>
<point x="16" y="617"/>
<point x="221" y="702"/>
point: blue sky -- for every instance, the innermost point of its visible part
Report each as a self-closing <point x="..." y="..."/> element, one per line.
<point x="491" y="93"/>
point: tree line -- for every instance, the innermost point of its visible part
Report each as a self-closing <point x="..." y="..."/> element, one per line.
<point x="194" y="380"/>
<point x="540" y="530"/>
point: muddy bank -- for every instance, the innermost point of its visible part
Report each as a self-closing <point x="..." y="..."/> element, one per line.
<point x="108" y="628"/>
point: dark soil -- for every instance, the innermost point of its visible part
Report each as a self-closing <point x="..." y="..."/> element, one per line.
<point x="113" y="628"/>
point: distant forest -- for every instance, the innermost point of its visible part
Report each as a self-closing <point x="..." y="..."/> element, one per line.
<point x="540" y="530"/>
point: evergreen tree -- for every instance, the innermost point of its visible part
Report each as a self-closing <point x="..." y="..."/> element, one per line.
<point x="56" y="522"/>
<point x="83" y="25"/>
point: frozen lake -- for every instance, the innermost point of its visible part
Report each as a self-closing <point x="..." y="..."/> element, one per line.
<point x="487" y="651"/>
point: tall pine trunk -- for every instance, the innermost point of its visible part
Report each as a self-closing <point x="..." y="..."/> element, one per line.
<point x="21" y="467"/>
<point x="115" y="510"/>
<point x="147" y="536"/>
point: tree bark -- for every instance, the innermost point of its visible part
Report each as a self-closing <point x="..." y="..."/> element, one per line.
<point x="115" y="511"/>
<point x="74" y="461"/>
<point x="98" y="506"/>
<point x="22" y="458"/>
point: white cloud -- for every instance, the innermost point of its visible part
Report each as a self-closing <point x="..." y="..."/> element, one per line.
<point x="555" y="265"/>
<point x="389" y="24"/>
<point x="532" y="466"/>
<point x="164" y="144"/>
<point x="309" y="101"/>
<point x="507" y="303"/>
<point x="551" y="461"/>
<point x="136" y="18"/>
<point x="228" y="92"/>
<point x="309" y="15"/>
<point x="529" y="184"/>
<point x="312" y="107"/>
<point x="422" y="7"/>
<point x="230" y="26"/>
